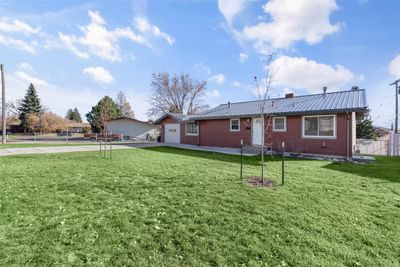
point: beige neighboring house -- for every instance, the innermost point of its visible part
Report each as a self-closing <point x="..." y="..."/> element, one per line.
<point x="133" y="129"/>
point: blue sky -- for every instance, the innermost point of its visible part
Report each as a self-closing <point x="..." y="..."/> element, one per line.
<point x="75" y="52"/>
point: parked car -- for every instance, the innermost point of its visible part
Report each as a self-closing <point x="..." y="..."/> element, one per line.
<point x="64" y="133"/>
<point x="98" y="136"/>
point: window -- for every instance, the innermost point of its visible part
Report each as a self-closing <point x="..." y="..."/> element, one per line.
<point x="279" y="124"/>
<point x="235" y="125"/>
<point x="191" y="128"/>
<point x="323" y="126"/>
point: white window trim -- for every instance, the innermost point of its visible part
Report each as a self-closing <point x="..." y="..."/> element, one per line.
<point x="318" y="137"/>
<point x="191" y="134"/>
<point x="230" y="125"/>
<point x="284" y="124"/>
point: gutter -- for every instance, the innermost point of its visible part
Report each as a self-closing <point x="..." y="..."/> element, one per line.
<point x="347" y="137"/>
<point x="318" y="112"/>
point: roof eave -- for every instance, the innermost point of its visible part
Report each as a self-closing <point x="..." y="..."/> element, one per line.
<point x="278" y="114"/>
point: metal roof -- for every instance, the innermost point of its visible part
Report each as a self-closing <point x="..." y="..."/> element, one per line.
<point x="336" y="102"/>
<point x="176" y="116"/>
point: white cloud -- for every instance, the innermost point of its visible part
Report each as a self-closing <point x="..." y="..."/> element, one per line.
<point x="236" y="84"/>
<point x="291" y="21"/>
<point x="144" y="26"/>
<point x="99" y="74"/>
<point x="83" y="98"/>
<point x="99" y="40"/>
<point x="218" y="78"/>
<point x="302" y="73"/>
<point x="394" y="67"/>
<point x="202" y="68"/>
<point x="17" y="44"/>
<point x="6" y="25"/>
<point x="214" y="93"/>
<point x="29" y="78"/>
<point x="68" y="41"/>
<point x="243" y="57"/>
<point x="231" y="8"/>
<point x="25" y="66"/>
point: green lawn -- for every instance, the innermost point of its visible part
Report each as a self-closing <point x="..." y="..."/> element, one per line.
<point x="168" y="207"/>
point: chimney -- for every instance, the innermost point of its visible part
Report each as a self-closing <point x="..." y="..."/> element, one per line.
<point x="289" y="95"/>
<point x="324" y="90"/>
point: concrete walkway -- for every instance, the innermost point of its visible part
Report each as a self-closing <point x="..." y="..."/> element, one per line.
<point x="65" y="149"/>
<point x="223" y="150"/>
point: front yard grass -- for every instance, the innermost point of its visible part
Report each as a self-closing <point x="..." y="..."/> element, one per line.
<point x="165" y="206"/>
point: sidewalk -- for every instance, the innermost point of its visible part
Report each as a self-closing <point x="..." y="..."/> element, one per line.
<point x="65" y="149"/>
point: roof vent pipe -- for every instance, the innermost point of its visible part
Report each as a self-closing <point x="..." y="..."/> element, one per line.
<point x="324" y="89"/>
<point x="229" y="104"/>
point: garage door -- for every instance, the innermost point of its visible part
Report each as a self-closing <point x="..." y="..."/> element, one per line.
<point x="172" y="133"/>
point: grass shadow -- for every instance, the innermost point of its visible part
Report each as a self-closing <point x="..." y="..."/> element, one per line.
<point x="384" y="168"/>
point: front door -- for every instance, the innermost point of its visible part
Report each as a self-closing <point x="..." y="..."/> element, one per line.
<point x="256" y="131"/>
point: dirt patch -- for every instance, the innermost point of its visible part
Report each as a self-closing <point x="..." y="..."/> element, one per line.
<point x="256" y="181"/>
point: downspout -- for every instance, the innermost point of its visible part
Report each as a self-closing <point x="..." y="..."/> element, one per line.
<point x="348" y="137"/>
<point x="198" y="136"/>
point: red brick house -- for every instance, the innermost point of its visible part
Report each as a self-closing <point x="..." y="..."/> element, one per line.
<point x="311" y="124"/>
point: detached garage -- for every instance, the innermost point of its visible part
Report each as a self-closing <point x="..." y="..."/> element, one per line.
<point x="170" y="127"/>
<point x="133" y="129"/>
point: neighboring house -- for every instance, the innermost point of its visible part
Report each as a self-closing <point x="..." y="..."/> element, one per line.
<point x="312" y="124"/>
<point x="382" y="132"/>
<point x="133" y="129"/>
<point x="78" y="127"/>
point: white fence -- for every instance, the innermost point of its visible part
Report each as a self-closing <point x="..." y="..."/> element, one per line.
<point x="388" y="145"/>
<point x="394" y="144"/>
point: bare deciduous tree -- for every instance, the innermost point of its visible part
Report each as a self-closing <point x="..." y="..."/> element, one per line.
<point x="124" y="105"/>
<point x="178" y="94"/>
<point x="263" y="91"/>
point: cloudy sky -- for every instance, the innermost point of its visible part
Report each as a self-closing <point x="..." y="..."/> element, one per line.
<point x="76" y="52"/>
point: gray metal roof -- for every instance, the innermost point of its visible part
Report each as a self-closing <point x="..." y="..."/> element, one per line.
<point x="176" y="116"/>
<point x="353" y="100"/>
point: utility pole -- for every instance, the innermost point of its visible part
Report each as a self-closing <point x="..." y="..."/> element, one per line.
<point x="397" y="92"/>
<point x="3" y="104"/>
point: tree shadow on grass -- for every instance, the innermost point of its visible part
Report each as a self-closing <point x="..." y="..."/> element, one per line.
<point x="384" y="168"/>
<point x="247" y="160"/>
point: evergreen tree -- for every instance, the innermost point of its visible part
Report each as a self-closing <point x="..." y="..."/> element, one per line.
<point x="365" y="129"/>
<point x="105" y="110"/>
<point x="124" y="106"/>
<point x="74" y="115"/>
<point x="30" y="104"/>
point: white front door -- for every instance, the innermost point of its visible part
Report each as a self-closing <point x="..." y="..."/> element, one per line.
<point x="256" y="130"/>
<point x="172" y="133"/>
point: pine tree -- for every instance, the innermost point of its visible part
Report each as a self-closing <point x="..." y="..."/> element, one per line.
<point x="29" y="105"/>
<point x="73" y="115"/>
<point x="124" y="106"/>
<point x="105" y="110"/>
<point x="365" y="129"/>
